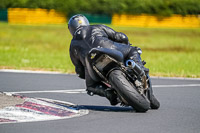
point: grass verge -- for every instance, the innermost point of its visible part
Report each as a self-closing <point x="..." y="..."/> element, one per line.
<point x="168" y="52"/>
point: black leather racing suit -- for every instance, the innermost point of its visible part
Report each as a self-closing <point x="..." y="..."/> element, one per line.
<point x="88" y="37"/>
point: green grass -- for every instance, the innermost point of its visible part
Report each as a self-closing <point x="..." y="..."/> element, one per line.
<point x="168" y="52"/>
<point x="35" y="47"/>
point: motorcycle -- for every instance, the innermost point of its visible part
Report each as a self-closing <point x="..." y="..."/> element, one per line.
<point x="131" y="84"/>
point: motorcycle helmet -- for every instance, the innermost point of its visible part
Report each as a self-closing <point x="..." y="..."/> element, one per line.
<point x="76" y="21"/>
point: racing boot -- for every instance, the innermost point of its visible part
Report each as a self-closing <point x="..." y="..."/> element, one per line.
<point x="112" y="97"/>
<point x="104" y="92"/>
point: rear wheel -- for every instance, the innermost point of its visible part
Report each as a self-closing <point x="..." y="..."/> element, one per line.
<point x="127" y="91"/>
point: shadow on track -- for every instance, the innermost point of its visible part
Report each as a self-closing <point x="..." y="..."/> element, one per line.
<point x="105" y="108"/>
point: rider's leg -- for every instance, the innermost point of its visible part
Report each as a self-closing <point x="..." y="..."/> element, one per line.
<point x="101" y="90"/>
<point x="98" y="88"/>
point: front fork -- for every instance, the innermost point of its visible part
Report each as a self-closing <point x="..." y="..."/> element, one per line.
<point x="150" y="90"/>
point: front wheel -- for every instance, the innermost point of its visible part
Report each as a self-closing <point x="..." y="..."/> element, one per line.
<point x="155" y="104"/>
<point x="127" y="91"/>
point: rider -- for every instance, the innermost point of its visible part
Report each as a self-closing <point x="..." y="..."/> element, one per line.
<point x="86" y="37"/>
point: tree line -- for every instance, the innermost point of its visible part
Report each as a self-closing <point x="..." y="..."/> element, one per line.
<point x="158" y="7"/>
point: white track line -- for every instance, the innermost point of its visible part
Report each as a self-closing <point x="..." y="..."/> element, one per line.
<point x="30" y="71"/>
<point x="186" y="85"/>
<point x="52" y="72"/>
<point x="78" y="91"/>
<point x="52" y="91"/>
<point x="174" y="78"/>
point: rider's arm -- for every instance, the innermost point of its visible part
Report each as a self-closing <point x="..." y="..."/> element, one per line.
<point x="79" y="68"/>
<point x="115" y="36"/>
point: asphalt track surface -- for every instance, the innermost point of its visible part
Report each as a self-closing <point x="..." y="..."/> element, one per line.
<point x="179" y="111"/>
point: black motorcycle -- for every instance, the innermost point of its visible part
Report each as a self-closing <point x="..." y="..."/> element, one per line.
<point x="131" y="83"/>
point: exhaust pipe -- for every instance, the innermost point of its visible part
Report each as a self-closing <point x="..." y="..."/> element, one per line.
<point x="135" y="67"/>
<point x="139" y="72"/>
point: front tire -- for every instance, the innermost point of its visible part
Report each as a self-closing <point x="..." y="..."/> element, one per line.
<point x="155" y="104"/>
<point x="118" y="80"/>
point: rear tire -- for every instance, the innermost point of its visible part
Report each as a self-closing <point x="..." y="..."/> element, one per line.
<point x="118" y="80"/>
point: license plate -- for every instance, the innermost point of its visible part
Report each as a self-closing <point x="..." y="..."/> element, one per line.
<point x="102" y="62"/>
